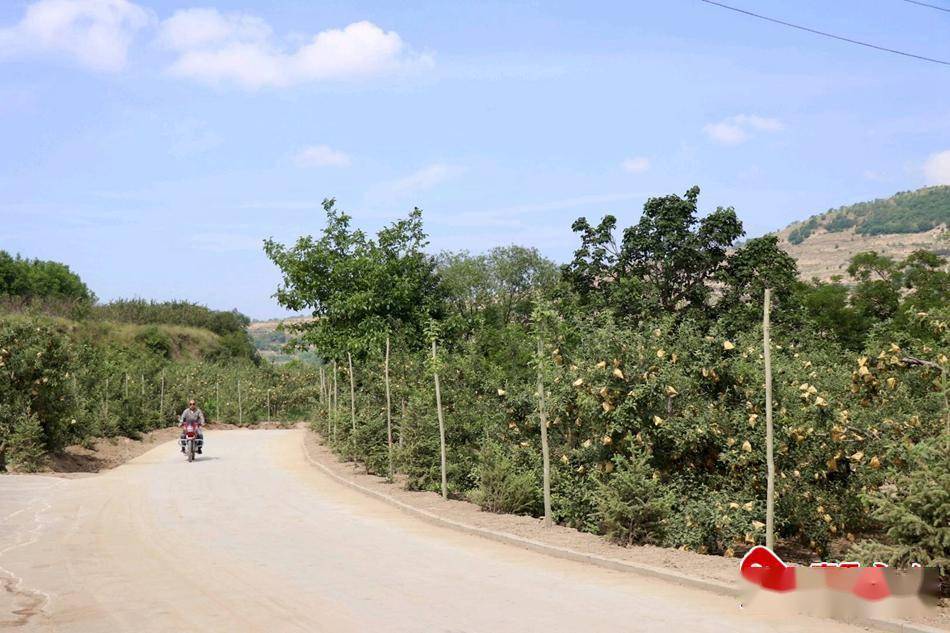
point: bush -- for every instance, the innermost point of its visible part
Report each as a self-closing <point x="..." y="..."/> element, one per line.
<point x="503" y="486"/>
<point x="633" y="505"/>
<point x="25" y="449"/>
<point x="155" y="341"/>
<point x="915" y="507"/>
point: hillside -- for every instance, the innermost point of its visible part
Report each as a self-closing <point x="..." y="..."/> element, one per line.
<point x="896" y="226"/>
<point x="270" y="337"/>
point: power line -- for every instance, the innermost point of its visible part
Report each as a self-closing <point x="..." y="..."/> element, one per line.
<point x="825" y="34"/>
<point x="930" y="6"/>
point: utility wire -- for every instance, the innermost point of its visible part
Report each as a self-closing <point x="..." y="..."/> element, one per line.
<point x="931" y="6"/>
<point x="825" y="34"/>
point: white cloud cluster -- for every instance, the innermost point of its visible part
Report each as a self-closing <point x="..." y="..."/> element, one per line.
<point x="636" y="165"/>
<point x="95" y="33"/>
<point x="321" y="156"/>
<point x="739" y="128"/>
<point x="937" y="168"/>
<point x="208" y="46"/>
<point x="237" y="48"/>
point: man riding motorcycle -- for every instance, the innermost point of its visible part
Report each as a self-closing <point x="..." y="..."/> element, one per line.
<point x="192" y="414"/>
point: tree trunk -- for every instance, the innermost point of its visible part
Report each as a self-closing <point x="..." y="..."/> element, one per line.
<point x="769" y="458"/>
<point x="389" y="412"/>
<point x="545" y="452"/>
<point x="438" y="407"/>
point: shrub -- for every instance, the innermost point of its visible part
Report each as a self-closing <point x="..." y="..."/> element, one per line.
<point x="915" y="507"/>
<point x="503" y="486"/>
<point x="26" y="448"/>
<point x="633" y="505"/>
<point x="155" y="341"/>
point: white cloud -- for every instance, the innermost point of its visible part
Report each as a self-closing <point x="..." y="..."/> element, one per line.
<point x="423" y="179"/>
<point x="96" y="33"/>
<point x="739" y="128"/>
<point x="321" y="156"/>
<point x="937" y="168"/>
<point x="636" y="165"/>
<point x="241" y="49"/>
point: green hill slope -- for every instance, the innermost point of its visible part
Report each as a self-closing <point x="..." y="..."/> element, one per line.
<point x="896" y="226"/>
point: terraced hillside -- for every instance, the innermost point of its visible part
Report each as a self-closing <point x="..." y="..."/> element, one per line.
<point x="908" y="221"/>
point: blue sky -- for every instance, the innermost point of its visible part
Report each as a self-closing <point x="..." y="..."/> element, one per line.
<point x="153" y="145"/>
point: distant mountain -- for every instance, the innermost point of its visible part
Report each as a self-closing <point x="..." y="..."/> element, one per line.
<point x="896" y="226"/>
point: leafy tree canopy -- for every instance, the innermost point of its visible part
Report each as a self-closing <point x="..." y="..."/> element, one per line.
<point x="666" y="262"/>
<point x="498" y="285"/>
<point x="42" y="280"/>
<point x="359" y="289"/>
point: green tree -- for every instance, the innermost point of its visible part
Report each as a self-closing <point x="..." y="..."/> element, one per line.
<point x="497" y="286"/>
<point x="359" y="289"/>
<point x="755" y="266"/>
<point x="36" y="279"/>
<point x="665" y="262"/>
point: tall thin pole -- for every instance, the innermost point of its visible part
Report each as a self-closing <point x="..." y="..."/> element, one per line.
<point x="389" y="412"/>
<point x="349" y="360"/>
<point x="268" y="405"/>
<point x="217" y="400"/>
<point x="126" y="385"/>
<point x="769" y="458"/>
<point x="323" y="387"/>
<point x="240" y="405"/>
<point x="545" y="453"/>
<point x="438" y="406"/>
<point x="142" y="385"/>
<point x="402" y="422"/>
<point x="161" y="398"/>
<point x="336" y="401"/>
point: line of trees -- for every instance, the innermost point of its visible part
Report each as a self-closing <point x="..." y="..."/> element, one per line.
<point x="643" y="357"/>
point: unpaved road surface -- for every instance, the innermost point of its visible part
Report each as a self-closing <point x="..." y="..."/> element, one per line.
<point x="253" y="538"/>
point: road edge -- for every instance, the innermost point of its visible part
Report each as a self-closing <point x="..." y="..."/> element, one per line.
<point x="719" y="588"/>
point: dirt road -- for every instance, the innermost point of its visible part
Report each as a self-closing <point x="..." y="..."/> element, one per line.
<point x="253" y="538"/>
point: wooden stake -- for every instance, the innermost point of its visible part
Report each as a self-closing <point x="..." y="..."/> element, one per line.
<point x="336" y="401"/>
<point x="545" y="453"/>
<point x="349" y="360"/>
<point x="402" y="422"/>
<point x="389" y="412"/>
<point x="438" y="406"/>
<point x="769" y="458"/>
<point x="240" y="405"/>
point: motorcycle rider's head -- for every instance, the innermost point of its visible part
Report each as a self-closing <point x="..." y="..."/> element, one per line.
<point x="192" y="405"/>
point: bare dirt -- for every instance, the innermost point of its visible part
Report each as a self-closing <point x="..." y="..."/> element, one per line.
<point x="824" y="255"/>
<point x="253" y="537"/>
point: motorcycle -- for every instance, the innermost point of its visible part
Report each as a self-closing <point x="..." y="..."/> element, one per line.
<point x="190" y="440"/>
